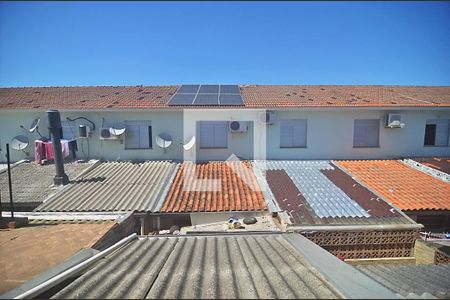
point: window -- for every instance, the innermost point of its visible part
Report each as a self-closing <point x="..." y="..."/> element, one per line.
<point x="213" y="134"/>
<point x="69" y="130"/>
<point x="366" y="133"/>
<point x="293" y="133"/>
<point x="436" y="132"/>
<point x="138" y="135"/>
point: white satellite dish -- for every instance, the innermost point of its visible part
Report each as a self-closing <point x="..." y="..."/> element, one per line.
<point x="164" y="140"/>
<point x="190" y="144"/>
<point x="19" y="142"/>
<point x="117" y="129"/>
<point x="34" y="124"/>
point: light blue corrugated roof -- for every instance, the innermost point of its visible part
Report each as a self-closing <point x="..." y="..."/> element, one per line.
<point x="324" y="197"/>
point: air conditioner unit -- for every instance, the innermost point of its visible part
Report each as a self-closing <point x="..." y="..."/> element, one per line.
<point x="267" y="117"/>
<point x="238" y="126"/>
<point x="394" y="120"/>
<point x="107" y="134"/>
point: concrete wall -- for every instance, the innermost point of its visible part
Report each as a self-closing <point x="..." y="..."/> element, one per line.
<point x="329" y="134"/>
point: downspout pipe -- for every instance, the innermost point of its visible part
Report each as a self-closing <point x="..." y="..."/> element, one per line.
<point x="45" y="286"/>
<point x="54" y="125"/>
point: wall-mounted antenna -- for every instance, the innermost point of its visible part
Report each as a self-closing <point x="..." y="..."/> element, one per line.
<point x="164" y="140"/>
<point x="19" y="143"/>
<point x="34" y="126"/>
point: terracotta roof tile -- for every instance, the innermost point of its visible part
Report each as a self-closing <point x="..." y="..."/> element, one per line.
<point x="285" y="96"/>
<point x="405" y="187"/>
<point x="238" y="189"/>
<point x="255" y="96"/>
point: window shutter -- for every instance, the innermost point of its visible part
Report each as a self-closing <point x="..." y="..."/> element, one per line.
<point x="132" y="135"/>
<point x="206" y="135"/>
<point x="293" y="133"/>
<point x="143" y="136"/>
<point x="299" y="133"/>
<point x="213" y="134"/>
<point x="366" y="133"/>
<point x="220" y="134"/>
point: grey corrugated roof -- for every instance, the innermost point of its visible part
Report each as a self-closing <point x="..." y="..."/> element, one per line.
<point x="116" y="186"/>
<point x="32" y="183"/>
<point x="220" y="266"/>
<point x="412" y="280"/>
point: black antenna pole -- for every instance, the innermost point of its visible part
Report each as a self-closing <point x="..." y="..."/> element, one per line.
<point x="9" y="182"/>
<point x="54" y="125"/>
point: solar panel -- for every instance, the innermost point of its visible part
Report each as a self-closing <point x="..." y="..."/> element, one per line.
<point x="182" y="99"/>
<point x="207" y="99"/>
<point x="188" y="88"/>
<point x="209" y="88"/>
<point x="230" y="99"/>
<point x="229" y="89"/>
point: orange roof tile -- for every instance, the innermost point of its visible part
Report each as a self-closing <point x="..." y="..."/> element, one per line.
<point x="238" y="189"/>
<point x="255" y="96"/>
<point x="405" y="187"/>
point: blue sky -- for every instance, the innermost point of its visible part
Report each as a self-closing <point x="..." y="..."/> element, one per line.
<point x="158" y="43"/>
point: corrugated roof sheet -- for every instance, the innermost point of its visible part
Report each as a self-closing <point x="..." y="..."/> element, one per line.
<point x="232" y="187"/>
<point x="405" y="187"/>
<point x="439" y="163"/>
<point x="116" y="186"/>
<point x="436" y="169"/>
<point x="32" y="183"/>
<point x="325" y="198"/>
<point x="221" y="266"/>
<point x="412" y="280"/>
<point x="254" y="96"/>
<point x="319" y="193"/>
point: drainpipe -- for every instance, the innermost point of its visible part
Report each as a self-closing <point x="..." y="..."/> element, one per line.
<point x="54" y="125"/>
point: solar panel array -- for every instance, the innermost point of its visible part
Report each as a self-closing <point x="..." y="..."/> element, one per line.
<point x="207" y="94"/>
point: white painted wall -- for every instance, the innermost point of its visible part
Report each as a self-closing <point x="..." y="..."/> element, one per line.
<point x="329" y="134"/>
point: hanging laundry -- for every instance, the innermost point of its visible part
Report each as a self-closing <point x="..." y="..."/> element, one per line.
<point x="39" y="152"/>
<point x="73" y="147"/>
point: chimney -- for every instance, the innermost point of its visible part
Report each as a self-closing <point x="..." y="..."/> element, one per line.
<point x="54" y="125"/>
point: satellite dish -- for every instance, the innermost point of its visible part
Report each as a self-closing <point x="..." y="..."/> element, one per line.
<point x="34" y="124"/>
<point x="164" y="140"/>
<point x="117" y="129"/>
<point x="19" y="142"/>
<point x="190" y="144"/>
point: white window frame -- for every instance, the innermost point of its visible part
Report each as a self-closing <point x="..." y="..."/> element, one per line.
<point x="213" y="138"/>
<point x="295" y="130"/>
<point x="441" y="138"/>
<point x="141" y="143"/>
<point x="367" y="129"/>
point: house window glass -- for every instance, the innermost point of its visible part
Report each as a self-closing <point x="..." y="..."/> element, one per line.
<point x="366" y="133"/>
<point x="437" y="132"/>
<point x="213" y="134"/>
<point x="138" y="135"/>
<point x="293" y="133"/>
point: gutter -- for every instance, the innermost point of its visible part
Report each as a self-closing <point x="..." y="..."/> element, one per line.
<point x="41" y="288"/>
<point x="328" y="228"/>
